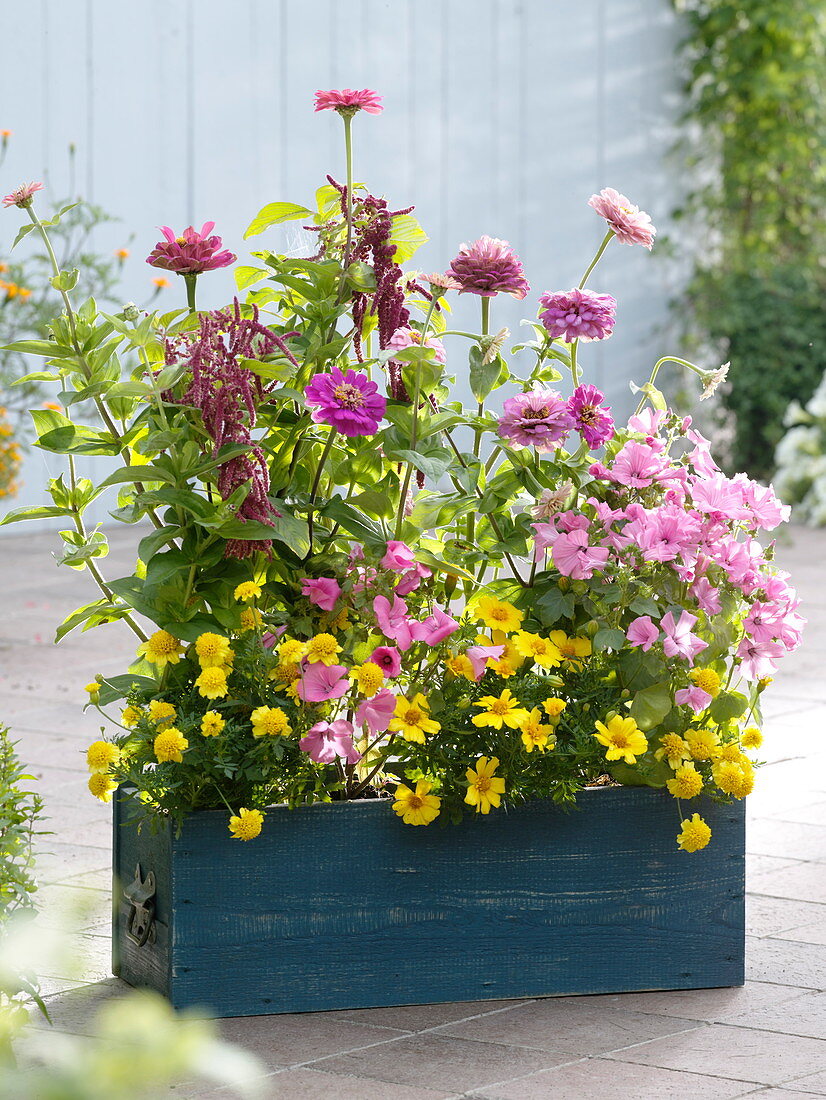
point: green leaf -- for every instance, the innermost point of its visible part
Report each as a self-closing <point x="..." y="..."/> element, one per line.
<point x="608" y="638"/>
<point x="407" y="236"/>
<point x="66" y="280"/>
<point x="355" y="524"/>
<point x="728" y="705"/>
<point x="273" y="214"/>
<point x="644" y="605"/>
<point x="93" y="614"/>
<point x="651" y="705"/>
<point x="483" y="376"/>
<point x="433" y="463"/>
<point x="637" y="670"/>
<point x="46" y="511"/>
<point x="161" y="567"/>
<point x="50" y="349"/>
<point x="554" y="605"/>
<point x="247" y="276"/>
<point x="22" y="232"/>
<point x="118" y="687"/>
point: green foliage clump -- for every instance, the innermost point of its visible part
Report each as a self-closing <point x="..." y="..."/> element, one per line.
<point x="20" y="810"/>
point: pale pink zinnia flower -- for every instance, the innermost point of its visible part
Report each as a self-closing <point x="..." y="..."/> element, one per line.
<point x="191" y="253"/>
<point x="348" y="101"/>
<point x="630" y="224"/>
<point x="578" y="315"/>
<point x="22" y="196"/>
<point x="487" y="267"/>
<point x="538" y="418"/>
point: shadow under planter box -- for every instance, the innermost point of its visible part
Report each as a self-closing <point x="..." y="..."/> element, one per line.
<point x="343" y="906"/>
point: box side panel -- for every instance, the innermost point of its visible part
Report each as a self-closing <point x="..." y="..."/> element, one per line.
<point x="344" y="906"/>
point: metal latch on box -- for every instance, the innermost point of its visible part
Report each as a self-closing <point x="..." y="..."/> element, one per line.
<point x="140" y="924"/>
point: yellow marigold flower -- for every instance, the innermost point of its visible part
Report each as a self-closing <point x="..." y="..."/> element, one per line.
<point x="674" y="749"/>
<point x="101" y="755"/>
<point x="291" y="651"/>
<point x="247" y="825"/>
<point x="170" y="745"/>
<point x="212" y="683"/>
<point x="130" y="716"/>
<point x="212" y="723"/>
<point x="213" y="650"/>
<point x="695" y="834"/>
<point x="687" y="782"/>
<point x="161" y="649"/>
<point x="535" y="735"/>
<point x="485" y="789"/>
<point x="250" y="619"/>
<point x="497" y="615"/>
<point x="502" y="711"/>
<point x="291" y="691"/>
<point x="418" y="807"/>
<point x="323" y="649"/>
<point x="553" y="706"/>
<point x="341" y="621"/>
<point x="412" y="719"/>
<point x="702" y="744"/>
<point x="247" y="592"/>
<point x="162" y="714"/>
<point x="542" y="650"/>
<point x="734" y="779"/>
<point x="270" y="722"/>
<point x="101" y="786"/>
<point x="729" y="752"/>
<point x="623" y="739"/>
<point x="284" y="673"/>
<point x="751" y="738"/>
<point x="368" y="678"/>
<point x="571" y="649"/>
<point x="93" y="691"/>
<point x="706" y="680"/>
<point x="460" y="665"/>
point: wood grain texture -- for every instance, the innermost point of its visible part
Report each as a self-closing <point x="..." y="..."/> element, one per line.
<point x="342" y="906"/>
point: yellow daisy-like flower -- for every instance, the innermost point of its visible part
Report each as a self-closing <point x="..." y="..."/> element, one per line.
<point x="101" y="786"/>
<point x="502" y="711"/>
<point x="497" y="615"/>
<point x="247" y="592"/>
<point x="695" y="834"/>
<point x="250" y="619"/>
<point x="291" y="651"/>
<point x="707" y="680"/>
<point x="93" y="690"/>
<point x="734" y="779"/>
<point x="536" y="735"/>
<point x="247" y="825"/>
<point x="702" y="744"/>
<point x="161" y="649"/>
<point x="130" y="716"/>
<point x="572" y="649"/>
<point x="212" y="683"/>
<point x="323" y="649"/>
<point x="101" y="755"/>
<point x="418" y="807"/>
<point x="368" y="678"/>
<point x="623" y="739"/>
<point x="458" y="664"/>
<point x="411" y="719"/>
<point x="291" y="691"/>
<point x="485" y="789"/>
<point x="503" y="667"/>
<point x="553" y="706"/>
<point x="170" y="745"/>
<point x="542" y="650"/>
<point x="687" y="782"/>
<point x="162" y="714"/>
<point x="270" y="722"/>
<point x="751" y="738"/>
<point x="674" y="749"/>
<point x="213" y="650"/>
<point x="212" y="723"/>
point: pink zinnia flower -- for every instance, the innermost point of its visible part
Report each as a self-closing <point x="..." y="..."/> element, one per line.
<point x="574" y="558"/>
<point x="679" y="641"/>
<point x="22" y="196"/>
<point x="327" y="740"/>
<point x="349" y="402"/>
<point x="487" y="267"/>
<point x="348" y="101"/>
<point x="590" y="417"/>
<point x="435" y="628"/>
<point x="578" y="315"/>
<point x="539" y="419"/>
<point x="393" y="620"/>
<point x="323" y="592"/>
<point x="630" y="224"/>
<point x="479" y="655"/>
<point x="693" y="697"/>
<point x="376" y="713"/>
<point x="319" y="682"/>
<point x="642" y="632"/>
<point x="389" y="660"/>
<point x="191" y="253"/>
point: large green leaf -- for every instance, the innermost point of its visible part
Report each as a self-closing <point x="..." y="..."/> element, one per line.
<point x="651" y="705"/>
<point x="407" y="236"/>
<point x="273" y="214"/>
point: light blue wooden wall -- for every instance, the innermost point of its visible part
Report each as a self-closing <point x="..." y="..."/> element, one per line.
<point x="501" y="117"/>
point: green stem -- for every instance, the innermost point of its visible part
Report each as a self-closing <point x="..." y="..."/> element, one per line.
<point x="414" y="430"/>
<point x="606" y="240"/>
<point x="190" y="281"/>
<point x="477" y="434"/>
<point x="574" y="368"/>
<point x="348" y="154"/>
<point x="328" y="446"/>
<point x="656" y="371"/>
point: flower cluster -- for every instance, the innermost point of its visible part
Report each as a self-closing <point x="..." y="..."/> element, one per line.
<point x="10" y="456"/>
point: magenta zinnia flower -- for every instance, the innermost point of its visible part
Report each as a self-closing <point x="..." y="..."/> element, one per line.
<point x="349" y="402"/>
<point x="591" y="418"/>
<point x="191" y="253"/>
<point x="22" y="196"/>
<point x="487" y="267"/>
<point x="349" y="101"/>
<point x="539" y="418"/>
<point x="578" y="315"/>
<point x="630" y="224"/>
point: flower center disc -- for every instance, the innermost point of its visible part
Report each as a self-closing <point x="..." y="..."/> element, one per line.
<point x="349" y="396"/>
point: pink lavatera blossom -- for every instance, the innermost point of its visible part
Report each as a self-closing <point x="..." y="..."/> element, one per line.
<point x="643" y="632"/>
<point x="479" y="655"/>
<point x="328" y="741"/>
<point x="574" y="557"/>
<point x="679" y="641"/>
<point x="758" y="659"/>
<point x="389" y="660"/>
<point x="318" y="682"/>
<point x="693" y="697"/>
<point x="375" y="714"/>
<point x="435" y="628"/>
<point x="323" y="591"/>
<point x="398" y="557"/>
<point x="393" y="620"/>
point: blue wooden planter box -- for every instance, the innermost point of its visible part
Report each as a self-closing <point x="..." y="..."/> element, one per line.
<point x="343" y="906"/>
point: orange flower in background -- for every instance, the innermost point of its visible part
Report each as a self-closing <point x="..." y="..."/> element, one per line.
<point x="3" y="268"/>
<point x="122" y="253"/>
<point x="52" y="405"/>
<point x="160" y="282"/>
<point x="23" y="292"/>
<point x="6" y="134"/>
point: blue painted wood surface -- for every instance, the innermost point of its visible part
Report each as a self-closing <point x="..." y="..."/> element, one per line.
<point x="343" y="906"/>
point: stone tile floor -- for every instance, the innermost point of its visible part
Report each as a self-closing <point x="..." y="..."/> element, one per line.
<point x="766" y="1040"/>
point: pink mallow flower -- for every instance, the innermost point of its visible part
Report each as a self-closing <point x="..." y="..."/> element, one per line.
<point x="22" y="196"/>
<point x="538" y="418"/>
<point x="398" y="557"/>
<point x="435" y="628"/>
<point x="578" y="315"/>
<point x="349" y="402"/>
<point x="590" y="417"/>
<point x="758" y="659"/>
<point x="693" y="697"/>
<point x="348" y="101"/>
<point x="410" y="581"/>
<point x="679" y="641"/>
<point x="637" y="466"/>
<point x="393" y="621"/>
<point x="323" y="592"/>
<point x="326" y="741"/>
<point x="376" y="713"/>
<point x="487" y="267"/>
<point x="319" y="682"/>
<point x="642" y="632"/>
<point x="389" y="660"/>
<point x="629" y="224"/>
<point x="191" y="253"/>
<point x="479" y="655"/>
<point x="575" y="558"/>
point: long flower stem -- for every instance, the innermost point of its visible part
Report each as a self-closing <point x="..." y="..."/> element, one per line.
<point x="328" y="446"/>
<point x="348" y="155"/>
<point x="606" y="240"/>
<point x="477" y="434"/>
<point x="574" y="367"/>
<point x="414" y="426"/>
<point x="656" y="371"/>
<point x="190" y="281"/>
